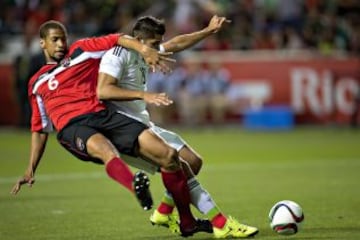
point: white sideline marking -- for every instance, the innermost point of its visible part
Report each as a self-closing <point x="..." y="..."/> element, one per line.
<point x="57" y="212"/>
<point x="76" y="176"/>
<point x="90" y="175"/>
<point x="206" y="168"/>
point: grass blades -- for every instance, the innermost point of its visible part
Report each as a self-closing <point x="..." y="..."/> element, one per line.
<point x="245" y="172"/>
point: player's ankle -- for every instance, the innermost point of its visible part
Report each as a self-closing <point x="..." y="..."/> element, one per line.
<point x="219" y="221"/>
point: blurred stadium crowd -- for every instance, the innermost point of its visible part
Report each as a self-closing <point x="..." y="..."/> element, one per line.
<point x="256" y="24"/>
<point x="324" y="26"/>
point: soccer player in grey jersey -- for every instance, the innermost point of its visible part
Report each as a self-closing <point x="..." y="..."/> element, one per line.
<point x="122" y="82"/>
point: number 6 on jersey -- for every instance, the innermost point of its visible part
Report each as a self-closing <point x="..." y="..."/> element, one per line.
<point x="53" y="83"/>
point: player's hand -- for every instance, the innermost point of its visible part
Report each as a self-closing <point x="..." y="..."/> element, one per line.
<point x="29" y="180"/>
<point x="157" y="60"/>
<point x="216" y="23"/>
<point x="158" y="99"/>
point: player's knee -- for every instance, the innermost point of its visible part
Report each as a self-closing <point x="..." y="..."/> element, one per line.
<point x="171" y="160"/>
<point x="195" y="162"/>
<point x="196" y="165"/>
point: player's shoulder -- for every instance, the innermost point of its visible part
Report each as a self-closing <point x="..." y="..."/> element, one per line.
<point x="118" y="54"/>
<point x="119" y="51"/>
<point x="38" y="75"/>
<point x="77" y="45"/>
<point x="45" y="68"/>
<point x="95" y="44"/>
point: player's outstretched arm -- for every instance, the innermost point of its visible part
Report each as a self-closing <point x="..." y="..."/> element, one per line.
<point x="154" y="58"/>
<point x="184" y="41"/>
<point x="38" y="143"/>
<point x="107" y="89"/>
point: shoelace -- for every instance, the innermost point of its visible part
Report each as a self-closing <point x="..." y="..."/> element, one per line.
<point x="236" y="225"/>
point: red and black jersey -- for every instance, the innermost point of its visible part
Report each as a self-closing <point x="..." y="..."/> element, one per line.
<point x="60" y="92"/>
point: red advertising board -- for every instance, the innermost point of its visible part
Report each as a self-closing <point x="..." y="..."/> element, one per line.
<point x="9" y="110"/>
<point x="319" y="90"/>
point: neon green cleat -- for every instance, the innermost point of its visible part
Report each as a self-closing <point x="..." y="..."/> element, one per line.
<point x="170" y="221"/>
<point x="234" y="229"/>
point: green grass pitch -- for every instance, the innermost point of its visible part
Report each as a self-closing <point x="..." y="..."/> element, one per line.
<point x="246" y="172"/>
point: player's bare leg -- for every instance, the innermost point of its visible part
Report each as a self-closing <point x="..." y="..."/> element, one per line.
<point x="192" y="158"/>
<point x="98" y="146"/>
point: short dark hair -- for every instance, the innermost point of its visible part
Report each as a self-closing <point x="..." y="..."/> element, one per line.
<point x="52" y="24"/>
<point x="148" y="26"/>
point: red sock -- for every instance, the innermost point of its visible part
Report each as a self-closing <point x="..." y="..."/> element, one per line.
<point x="165" y="208"/>
<point x="218" y="221"/>
<point x="120" y="172"/>
<point x="176" y="184"/>
<point x="167" y="204"/>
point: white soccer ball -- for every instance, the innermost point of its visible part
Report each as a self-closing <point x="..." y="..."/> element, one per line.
<point x="286" y="217"/>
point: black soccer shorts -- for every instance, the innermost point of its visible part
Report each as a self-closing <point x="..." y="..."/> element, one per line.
<point x="121" y="130"/>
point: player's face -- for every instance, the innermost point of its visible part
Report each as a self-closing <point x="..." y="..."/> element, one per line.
<point x="55" y="45"/>
<point x="154" y="42"/>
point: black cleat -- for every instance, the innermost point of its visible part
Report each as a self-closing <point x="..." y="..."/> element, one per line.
<point x="141" y="185"/>
<point x="202" y="225"/>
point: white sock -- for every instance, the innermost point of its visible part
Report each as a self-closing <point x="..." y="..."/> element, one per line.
<point x="200" y="198"/>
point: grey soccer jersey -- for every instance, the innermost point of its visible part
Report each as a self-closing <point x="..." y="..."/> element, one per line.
<point x="130" y="70"/>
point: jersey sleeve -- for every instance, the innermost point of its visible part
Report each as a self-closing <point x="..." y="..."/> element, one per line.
<point x="161" y="48"/>
<point x="40" y="122"/>
<point x="113" y="62"/>
<point x="95" y="44"/>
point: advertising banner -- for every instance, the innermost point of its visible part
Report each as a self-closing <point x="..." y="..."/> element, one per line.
<point x="318" y="89"/>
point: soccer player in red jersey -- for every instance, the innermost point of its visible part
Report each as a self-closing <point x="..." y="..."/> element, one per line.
<point x="63" y="93"/>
